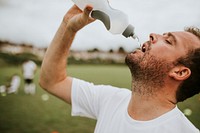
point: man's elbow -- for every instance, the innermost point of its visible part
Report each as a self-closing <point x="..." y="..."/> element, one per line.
<point x="43" y="83"/>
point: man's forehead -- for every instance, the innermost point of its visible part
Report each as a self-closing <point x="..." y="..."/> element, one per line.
<point x="187" y="37"/>
<point x="183" y="33"/>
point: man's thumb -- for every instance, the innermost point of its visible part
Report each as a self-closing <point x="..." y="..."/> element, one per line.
<point x="87" y="10"/>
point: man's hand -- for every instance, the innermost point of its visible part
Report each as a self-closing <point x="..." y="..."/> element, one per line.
<point x="77" y="19"/>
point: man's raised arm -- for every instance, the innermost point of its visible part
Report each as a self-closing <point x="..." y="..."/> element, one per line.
<point x="53" y="76"/>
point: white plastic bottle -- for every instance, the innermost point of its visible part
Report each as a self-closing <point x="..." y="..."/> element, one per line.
<point x="114" y="20"/>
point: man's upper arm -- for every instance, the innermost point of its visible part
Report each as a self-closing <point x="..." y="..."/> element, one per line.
<point x="62" y="89"/>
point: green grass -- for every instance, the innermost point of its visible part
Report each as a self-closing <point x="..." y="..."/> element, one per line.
<point x="21" y="113"/>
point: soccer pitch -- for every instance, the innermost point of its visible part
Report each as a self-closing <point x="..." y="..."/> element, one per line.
<point x="42" y="112"/>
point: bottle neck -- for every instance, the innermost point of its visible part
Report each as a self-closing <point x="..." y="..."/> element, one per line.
<point x="129" y="32"/>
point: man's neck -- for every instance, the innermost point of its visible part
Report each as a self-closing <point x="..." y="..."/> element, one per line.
<point x="147" y="107"/>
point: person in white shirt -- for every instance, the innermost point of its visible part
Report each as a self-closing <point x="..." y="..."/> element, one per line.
<point x="29" y="68"/>
<point x="14" y="84"/>
<point x="164" y="71"/>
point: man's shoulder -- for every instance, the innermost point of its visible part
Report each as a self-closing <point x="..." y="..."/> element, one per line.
<point x="188" y="125"/>
<point x="102" y="89"/>
<point x="101" y="86"/>
<point x="182" y="124"/>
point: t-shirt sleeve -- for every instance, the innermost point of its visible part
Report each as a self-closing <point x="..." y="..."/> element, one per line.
<point x="88" y="99"/>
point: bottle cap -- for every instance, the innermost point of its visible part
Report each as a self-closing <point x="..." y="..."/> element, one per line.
<point x="129" y="31"/>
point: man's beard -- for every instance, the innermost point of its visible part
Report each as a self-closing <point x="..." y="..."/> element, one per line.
<point x="148" y="73"/>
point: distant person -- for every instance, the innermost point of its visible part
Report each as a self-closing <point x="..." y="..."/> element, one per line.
<point x="14" y="84"/>
<point x="165" y="71"/>
<point x="3" y="90"/>
<point x="29" y="68"/>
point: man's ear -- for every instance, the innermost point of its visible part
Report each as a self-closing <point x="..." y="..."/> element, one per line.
<point x="180" y="73"/>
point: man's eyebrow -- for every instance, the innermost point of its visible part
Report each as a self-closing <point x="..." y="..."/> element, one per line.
<point x="172" y="35"/>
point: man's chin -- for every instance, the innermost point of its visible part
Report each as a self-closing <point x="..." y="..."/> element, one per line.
<point x="134" y="57"/>
<point x="132" y="62"/>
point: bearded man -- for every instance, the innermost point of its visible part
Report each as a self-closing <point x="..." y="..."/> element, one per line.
<point x="165" y="71"/>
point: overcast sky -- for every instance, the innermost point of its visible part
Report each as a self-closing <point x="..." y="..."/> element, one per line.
<point x="36" y="21"/>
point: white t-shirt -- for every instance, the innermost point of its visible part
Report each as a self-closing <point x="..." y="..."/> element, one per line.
<point x="29" y="68"/>
<point x="109" y="106"/>
<point x="14" y="84"/>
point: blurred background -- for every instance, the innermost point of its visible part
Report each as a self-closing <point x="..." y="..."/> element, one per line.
<point x="26" y="30"/>
<point x="36" y="21"/>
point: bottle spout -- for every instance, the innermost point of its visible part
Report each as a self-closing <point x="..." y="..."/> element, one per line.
<point x="129" y="32"/>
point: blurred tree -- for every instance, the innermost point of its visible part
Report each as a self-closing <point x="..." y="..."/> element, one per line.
<point x="111" y="51"/>
<point x="94" y="50"/>
<point x="121" y="50"/>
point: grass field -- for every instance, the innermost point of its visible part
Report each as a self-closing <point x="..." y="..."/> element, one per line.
<point x="21" y="113"/>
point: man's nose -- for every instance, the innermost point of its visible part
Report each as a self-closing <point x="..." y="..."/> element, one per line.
<point x="153" y="38"/>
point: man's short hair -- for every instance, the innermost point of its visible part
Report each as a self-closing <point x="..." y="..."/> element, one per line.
<point x="190" y="86"/>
